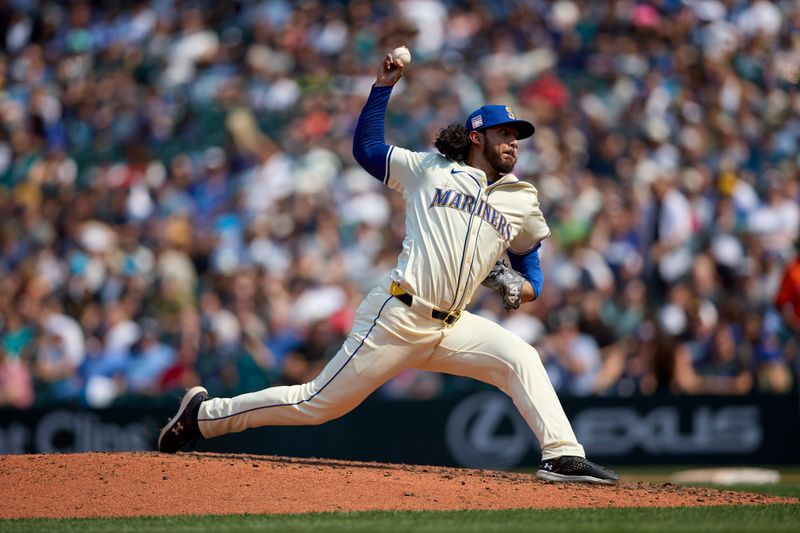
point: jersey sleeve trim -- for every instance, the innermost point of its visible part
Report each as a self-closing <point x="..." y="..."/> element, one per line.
<point x="532" y="247"/>
<point x="387" y="171"/>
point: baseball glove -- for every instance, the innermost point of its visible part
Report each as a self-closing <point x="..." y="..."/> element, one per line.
<point x="508" y="282"/>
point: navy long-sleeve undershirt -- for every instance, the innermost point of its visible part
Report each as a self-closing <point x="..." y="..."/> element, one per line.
<point x="369" y="147"/>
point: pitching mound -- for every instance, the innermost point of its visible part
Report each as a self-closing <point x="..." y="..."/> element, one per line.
<point x="148" y="483"/>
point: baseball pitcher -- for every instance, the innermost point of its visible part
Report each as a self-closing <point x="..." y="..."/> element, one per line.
<point x="464" y="210"/>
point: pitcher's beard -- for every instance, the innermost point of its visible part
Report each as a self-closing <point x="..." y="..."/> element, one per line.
<point x="495" y="159"/>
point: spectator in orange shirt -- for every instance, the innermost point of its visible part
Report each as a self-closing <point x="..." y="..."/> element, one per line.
<point x="774" y="373"/>
<point x="788" y="298"/>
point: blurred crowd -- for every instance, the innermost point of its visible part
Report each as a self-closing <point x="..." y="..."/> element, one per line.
<point x="180" y="204"/>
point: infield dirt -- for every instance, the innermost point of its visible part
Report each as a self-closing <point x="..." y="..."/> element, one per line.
<point x="153" y="484"/>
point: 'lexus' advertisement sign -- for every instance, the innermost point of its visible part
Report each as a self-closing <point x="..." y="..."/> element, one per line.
<point x="485" y="430"/>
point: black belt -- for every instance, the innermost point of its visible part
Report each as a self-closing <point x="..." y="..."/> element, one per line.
<point x="448" y="317"/>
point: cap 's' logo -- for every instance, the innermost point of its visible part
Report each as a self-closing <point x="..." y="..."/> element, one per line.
<point x="477" y="122"/>
<point x="510" y="113"/>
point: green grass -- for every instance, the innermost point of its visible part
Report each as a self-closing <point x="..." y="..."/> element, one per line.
<point x="767" y="518"/>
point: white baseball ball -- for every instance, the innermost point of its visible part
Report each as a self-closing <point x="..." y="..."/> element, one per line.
<point x="403" y="54"/>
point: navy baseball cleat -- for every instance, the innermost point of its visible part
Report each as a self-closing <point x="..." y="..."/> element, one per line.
<point x="575" y="469"/>
<point x="182" y="428"/>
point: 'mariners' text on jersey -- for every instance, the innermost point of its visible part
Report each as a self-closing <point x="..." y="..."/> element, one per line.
<point x="466" y="202"/>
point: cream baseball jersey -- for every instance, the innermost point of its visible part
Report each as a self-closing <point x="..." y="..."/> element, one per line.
<point x="457" y="225"/>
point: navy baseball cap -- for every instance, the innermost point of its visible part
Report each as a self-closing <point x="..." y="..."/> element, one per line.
<point x="495" y="115"/>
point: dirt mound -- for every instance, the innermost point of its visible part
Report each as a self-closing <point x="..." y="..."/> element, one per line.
<point x="149" y="483"/>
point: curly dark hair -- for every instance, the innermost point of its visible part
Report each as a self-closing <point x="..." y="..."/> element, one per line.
<point x="453" y="142"/>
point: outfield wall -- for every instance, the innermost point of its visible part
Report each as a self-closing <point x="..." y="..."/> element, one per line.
<point x="477" y="430"/>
